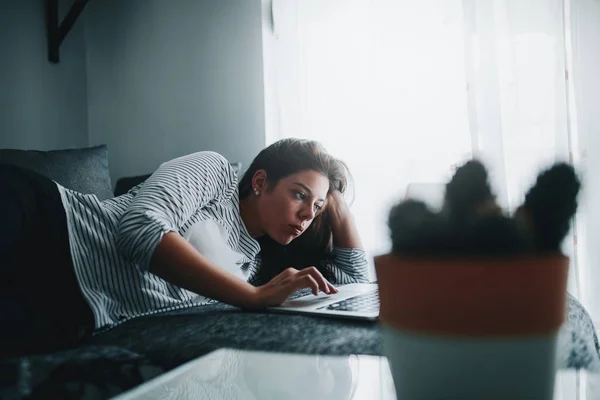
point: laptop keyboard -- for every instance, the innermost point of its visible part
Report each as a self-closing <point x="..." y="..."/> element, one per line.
<point x="362" y="303"/>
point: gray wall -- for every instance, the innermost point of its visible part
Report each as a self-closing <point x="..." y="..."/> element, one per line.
<point x="43" y="106"/>
<point x="167" y="78"/>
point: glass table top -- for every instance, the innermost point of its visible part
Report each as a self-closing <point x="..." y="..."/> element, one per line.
<point x="249" y="375"/>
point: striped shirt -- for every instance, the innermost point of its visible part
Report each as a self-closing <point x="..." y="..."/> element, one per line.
<point x="112" y="241"/>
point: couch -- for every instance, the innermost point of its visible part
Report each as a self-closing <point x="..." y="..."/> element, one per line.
<point x="113" y="361"/>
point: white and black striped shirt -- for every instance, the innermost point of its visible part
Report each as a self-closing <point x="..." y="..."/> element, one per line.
<point x="112" y="241"/>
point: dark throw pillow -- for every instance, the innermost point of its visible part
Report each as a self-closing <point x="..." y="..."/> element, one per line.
<point x="84" y="170"/>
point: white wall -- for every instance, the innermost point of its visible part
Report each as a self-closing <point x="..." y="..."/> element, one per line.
<point x="43" y="106"/>
<point x="167" y="78"/>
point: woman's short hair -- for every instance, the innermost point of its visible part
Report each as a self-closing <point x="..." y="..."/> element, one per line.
<point x="289" y="156"/>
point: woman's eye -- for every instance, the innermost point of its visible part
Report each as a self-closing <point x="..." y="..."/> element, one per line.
<point x="300" y="195"/>
<point x="318" y="207"/>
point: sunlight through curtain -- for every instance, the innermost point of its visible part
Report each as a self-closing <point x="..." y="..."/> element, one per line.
<point x="404" y="91"/>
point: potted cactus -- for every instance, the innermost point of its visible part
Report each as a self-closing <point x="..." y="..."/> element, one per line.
<point x="472" y="298"/>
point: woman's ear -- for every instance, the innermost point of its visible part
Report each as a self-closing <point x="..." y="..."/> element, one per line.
<point x="259" y="181"/>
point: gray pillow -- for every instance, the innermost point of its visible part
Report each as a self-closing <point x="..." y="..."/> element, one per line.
<point x="84" y="170"/>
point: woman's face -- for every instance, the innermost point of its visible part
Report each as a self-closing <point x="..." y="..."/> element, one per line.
<point x="287" y="209"/>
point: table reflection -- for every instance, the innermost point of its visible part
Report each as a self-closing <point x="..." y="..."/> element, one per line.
<point x="254" y="375"/>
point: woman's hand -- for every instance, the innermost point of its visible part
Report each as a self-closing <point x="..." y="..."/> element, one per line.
<point x="337" y="207"/>
<point x="343" y="227"/>
<point x="278" y="289"/>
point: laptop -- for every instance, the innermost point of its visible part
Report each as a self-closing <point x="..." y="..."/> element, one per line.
<point x="354" y="301"/>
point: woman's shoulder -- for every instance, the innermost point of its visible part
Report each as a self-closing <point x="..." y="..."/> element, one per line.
<point x="208" y="163"/>
<point x="210" y="158"/>
<point x="210" y="155"/>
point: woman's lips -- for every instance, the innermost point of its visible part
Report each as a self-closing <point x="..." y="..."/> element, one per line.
<point x="296" y="229"/>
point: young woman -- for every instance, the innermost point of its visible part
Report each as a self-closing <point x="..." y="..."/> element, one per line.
<point x="71" y="264"/>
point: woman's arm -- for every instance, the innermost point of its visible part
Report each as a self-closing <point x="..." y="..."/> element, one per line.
<point x="349" y="264"/>
<point x="168" y="199"/>
<point x="177" y="261"/>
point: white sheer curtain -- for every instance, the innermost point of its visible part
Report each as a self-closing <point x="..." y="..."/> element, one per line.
<point x="404" y="90"/>
<point x="583" y="20"/>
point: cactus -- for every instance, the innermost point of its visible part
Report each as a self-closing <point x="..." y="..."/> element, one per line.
<point x="471" y="224"/>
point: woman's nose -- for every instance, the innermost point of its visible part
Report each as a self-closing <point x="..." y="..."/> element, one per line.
<point x="308" y="213"/>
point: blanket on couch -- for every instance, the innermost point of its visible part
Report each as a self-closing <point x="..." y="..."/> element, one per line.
<point x="141" y="349"/>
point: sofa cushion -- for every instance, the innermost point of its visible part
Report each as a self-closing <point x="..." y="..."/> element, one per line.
<point x="84" y="170"/>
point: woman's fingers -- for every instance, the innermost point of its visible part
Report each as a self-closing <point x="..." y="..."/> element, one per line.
<point x="308" y="281"/>
<point x="324" y="285"/>
<point x="287" y="282"/>
<point x="332" y="289"/>
<point x="306" y="278"/>
<point x="284" y="276"/>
